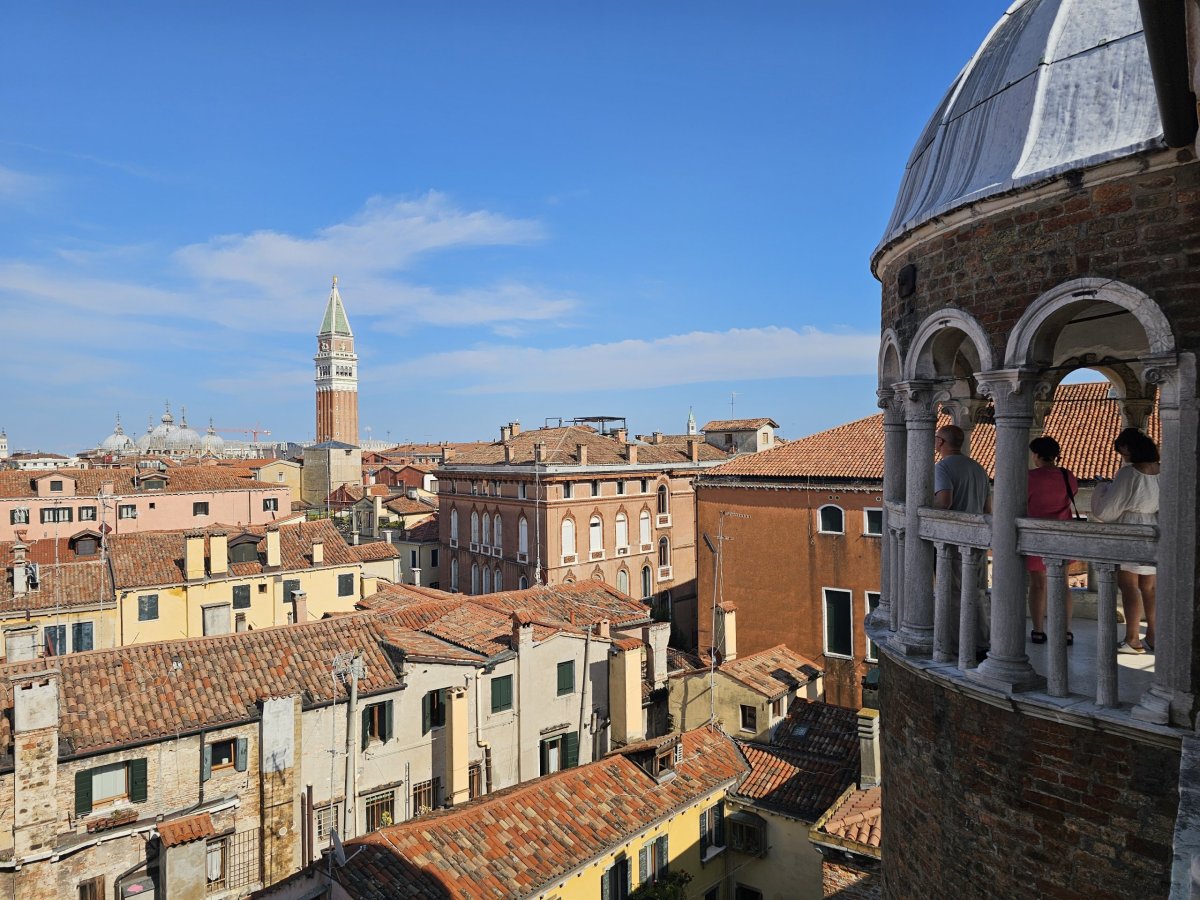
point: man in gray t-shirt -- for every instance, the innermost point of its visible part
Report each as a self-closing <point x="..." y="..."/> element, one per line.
<point x="959" y="483"/>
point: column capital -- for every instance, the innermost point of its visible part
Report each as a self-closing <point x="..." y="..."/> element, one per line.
<point x="892" y="405"/>
<point x="919" y="399"/>
<point x="964" y="411"/>
<point x="1014" y="391"/>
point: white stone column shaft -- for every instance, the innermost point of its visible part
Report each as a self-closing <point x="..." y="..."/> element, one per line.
<point x="916" y="629"/>
<point x="1056" y="627"/>
<point x="968" y="607"/>
<point x="895" y="439"/>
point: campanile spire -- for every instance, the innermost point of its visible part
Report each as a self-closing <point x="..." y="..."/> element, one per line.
<point x="336" y="375"/>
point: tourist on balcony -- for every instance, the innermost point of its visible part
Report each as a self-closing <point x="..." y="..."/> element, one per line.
<point x="961" y="484"/>
<point x="1132" y="498"/>
<point x="1052" y="491"/>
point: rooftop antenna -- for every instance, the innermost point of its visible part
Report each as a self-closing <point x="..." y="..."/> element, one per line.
<point x="732" y="394"/>
<point x="715" y="547"/>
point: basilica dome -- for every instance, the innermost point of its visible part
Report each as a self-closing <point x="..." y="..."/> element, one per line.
<point x="1057" y="85"/>
<point x="118" y="441"/>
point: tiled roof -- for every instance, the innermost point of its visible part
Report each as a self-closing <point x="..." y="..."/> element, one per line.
<point x="682" y="660"/>
<point x="857" y="818"/>
<point x="374" y="551"/>
<point x="1082" y="419"/>
<point x="772" y="672"/>
<point x="17" y="484"/>
<point x="562" y="450"/>
<point x="423" y="532"/>
<point x="156" y="557"/>
<point x="520" y="840"/>
<point x="738" y="424"/>
<point x="82" y="582"/>
<point x="184" y="831"/>
<point x="822" y="729"/>
<point x="406" y="506"/>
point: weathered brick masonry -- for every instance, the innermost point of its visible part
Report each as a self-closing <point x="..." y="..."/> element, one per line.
<point x="983" y="796"/>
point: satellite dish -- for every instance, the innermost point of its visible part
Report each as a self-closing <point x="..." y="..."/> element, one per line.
<point x="339" y="852"/>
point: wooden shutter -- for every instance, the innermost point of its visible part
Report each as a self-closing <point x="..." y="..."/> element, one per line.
<point x="719" y="824"/>
<point x="571" y="751"/>
<point x="703" y="831"/>
<point x="663" y="857"/>
<point x="206" y="762"/>
<point x="389" y="720"/>
<point x="365" y="736"/>
<point x="241" y="752"/>
<point x="644" y="864"/>
<point x="137" y="780"/>
<point x="606" y="885"/>
<point x="426" y="713"/>
<point x="83" y="792"/>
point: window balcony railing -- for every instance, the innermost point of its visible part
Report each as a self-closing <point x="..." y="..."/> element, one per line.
<point x="662" y="520"/>
<point x="522" y="557"/>
<point x="664" y="573"/>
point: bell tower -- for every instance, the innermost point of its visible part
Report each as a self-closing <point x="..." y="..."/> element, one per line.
<point x="336" y="375"/>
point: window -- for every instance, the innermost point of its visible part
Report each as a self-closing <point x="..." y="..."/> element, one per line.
<point x="433" y="710"/>
<point x="453" y="574"/>
<point x="747" y="834"/>
<point x="474" y="578"/>
<point x="495" y="488"/>
<point x="487" y="529"/>
<point x="568" y="490"/>
<point x="150" y="484"/>
<point x="200" y="508"/>
<point x="433" y="559"/>
<point x="413" y="561"/>
<point x="487" y="580"/>
<point x="327" y="819"/>
<point x="57" y="514"/>
<point x="56" y="486"/>
<point x="454" y="524"/>
<point x="568" y="537"/>
<point x="107" y="784"/>
<point x="713" y="893"/>
<point x="241" y="596"/>
<point x="664" y="503"/>
<point x="749" y="718"/>
<point x="127" y="511"/>
<point x="644" y="527"/>
<point x="623" y="581"/>
<point x="502" y="698"/>
<point x="777" y="707"/>
<point x="427" y="796"/>
<point x="652" y="860"/>
<point x="498" y="581"/>
<point x="228" y="753"/>
<point x="560" y="752"/>
<point x="270" y="504"/>
<point x="380" y="810"/>
<point x="522" y="490"/>
<point x="497" y="532"/>
<point x="377" y="722"/>
<point x="87" y="514"/>
<point x="346" y="585"/>
<point x="82" y="637"/>
<point x="839" y="630"/>
<point x="523" y="536"/>
<point x="832" y="520"/>
<point x="474" y="781"/>
<point x="622" y="531"/>
<point x="873" y="522"/>
<point x="595" y="488"/>
<point x="523" y="583"/>
<point x="474" y="527"/>
<point x="712" y="831"/>
<point x="647" y="583"/>
<point x="615" y="883"/>
<point x="216" y="619"/>
<point x="621" y="487"/>
<point x="290" y="586"/>
<point x="215" y="865"/>
<point x="147" y="607"/>
<point x="92" y="889"/>
<point x="20" y="516"/>
<point x="664" y="551"/>
<point x="872" y="603"/>
<point x="86" y="546"/>
<point x="595" y="535"/>
<point x="56" y="639"/>
<point x="645" y="485"/>
<point x="244" y="551"/>
<point x="566" y="677"/>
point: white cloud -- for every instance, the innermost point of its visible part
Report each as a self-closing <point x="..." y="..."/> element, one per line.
<point x="16" y="185"/>
<point x="699" y="356"/>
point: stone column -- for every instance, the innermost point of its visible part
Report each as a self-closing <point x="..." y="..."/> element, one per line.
<point x="1007" y="665"/>
<point x="1169" y="698"/>
<point x="916" y="629"/>
<point x="963" y="412"/>
<point x="895" y="443"/>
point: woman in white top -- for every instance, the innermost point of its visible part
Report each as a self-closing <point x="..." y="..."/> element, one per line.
<point x="1132" y="498"/>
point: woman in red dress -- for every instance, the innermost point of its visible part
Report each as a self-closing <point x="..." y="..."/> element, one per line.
<point x="1051" y="492"/>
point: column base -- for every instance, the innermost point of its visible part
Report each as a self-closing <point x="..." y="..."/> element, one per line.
<point x="914" y="640"/>
<point x="1011" y="675"/>
<point x="1154" y="707"/>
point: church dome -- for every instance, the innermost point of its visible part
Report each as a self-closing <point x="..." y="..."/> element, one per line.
<point x="1057" y="85"/>
<point x="144" y="442"/>
<point x="118" y="441"/>
<point x="183" y="437"/>
<point x="212" y="442"/>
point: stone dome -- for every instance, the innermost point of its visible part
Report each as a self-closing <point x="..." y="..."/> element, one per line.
<point x="183" y="437"/>
<point x="1057" y="85"/>
<point x="212" y="442"/>
<point x="118" y="441"/>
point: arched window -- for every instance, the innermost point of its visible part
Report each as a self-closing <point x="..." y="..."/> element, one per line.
<point x="595" y="534"/>
<point x="523" y="583"/>
<point x="454" y="574"/>
<point x="487" y="529"/>
<point x="474" y="527"/>
<point x="454" y="524"/>
<point x="623" y="581"/>
<point x="474" y="578"/>
<point x="664" y="551"/>
<point x="487" y="580"/>
<point x="522" y="536"/>
<point x="664" y="501"/>
<point x="498" y="581"/>
<point x="622" y="531"/>
<point x="497" y="532"/>
<point x="568" y="537"/>
<point x="832" y="520"/>
<point x="647" y="582"/>
<point x="644" y="526"/>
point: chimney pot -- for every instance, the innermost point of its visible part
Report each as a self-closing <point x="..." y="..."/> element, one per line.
<point x="582" y="454"/>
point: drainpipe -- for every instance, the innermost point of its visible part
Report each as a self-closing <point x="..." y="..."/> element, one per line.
<point x="479" y="741"/>
<point x="587" y="646"/>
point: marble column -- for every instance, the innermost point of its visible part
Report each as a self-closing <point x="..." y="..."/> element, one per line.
<point x="894" y="446"/>
<point x="920" y="415"/>
<point x="1007" y="665"/>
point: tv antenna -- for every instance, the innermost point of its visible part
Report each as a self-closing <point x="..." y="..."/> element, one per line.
<point x="716" y="547"/>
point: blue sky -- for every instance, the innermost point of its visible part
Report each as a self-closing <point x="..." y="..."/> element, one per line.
<point x="534" y="209"/>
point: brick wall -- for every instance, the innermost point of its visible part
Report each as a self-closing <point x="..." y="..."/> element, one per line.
<point x="989" y="803"/>
<point x="847" y="880"/>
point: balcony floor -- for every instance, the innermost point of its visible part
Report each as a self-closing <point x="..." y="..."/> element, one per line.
<point x="1134" y="673"/>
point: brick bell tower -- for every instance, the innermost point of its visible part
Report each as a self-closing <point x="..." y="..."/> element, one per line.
<point x="336" y="375"/>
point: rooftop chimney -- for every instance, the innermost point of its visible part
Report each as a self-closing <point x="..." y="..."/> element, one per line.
<point x="299" y="606"/>
<point x="725" y="632"/>
<point x="505" y="433"/>
<point x="622" y="435"/>
<point x="604" y="629"/>
<point x="631" y="452"/>
<point x="20" y="573"/>
<point x="581" y="453"/>
<point x="193" y="556"/>
<point x="273" y="548"/>
<point x="539" y="451"/>
<point x="318" y="553"/>
<point x="655" y="636"/>
<point x="514" y="428"/>
<point x="658" y="437"/>
<point x="868" y="746"/>
<point x="218" y="553"/>
<point x="693" y="451"/>
<point x="508" y="453"/>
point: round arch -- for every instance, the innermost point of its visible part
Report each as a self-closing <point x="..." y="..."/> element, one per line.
<point x="889" y="365"/>
<point x="942" y="337"/>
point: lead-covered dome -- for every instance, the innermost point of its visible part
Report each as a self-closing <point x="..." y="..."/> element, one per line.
<point x="1057" y="85"/>
<point x="118" y="441"/>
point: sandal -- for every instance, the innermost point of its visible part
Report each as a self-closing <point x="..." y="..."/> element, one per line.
<point x="1126" y="647"/>
<point x="1037" y="637"/>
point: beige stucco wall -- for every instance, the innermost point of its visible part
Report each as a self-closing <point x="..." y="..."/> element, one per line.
<point x="791" y="868"/>
<point x="691" y="703"/>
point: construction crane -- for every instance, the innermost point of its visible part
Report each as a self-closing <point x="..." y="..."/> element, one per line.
<point x="253" y="430"/>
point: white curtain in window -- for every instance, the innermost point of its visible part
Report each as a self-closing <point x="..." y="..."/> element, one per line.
<point x="568" y="537"/>
<point x="644" y="526"/>
<point x="595" y="534"/>
<point x="487" y="580"/>
<point x="497" y="532"/>
<point x="622" y="530"/>
<point x="454" y="574"/>
<point x="108" y="782"/>
<point x="623" y="582"/>
<point x="474" y="527"/>
<point x="498" y="581"/>
<point x="454" y="524"/>
<point x="487" y="529"/>
<point x="522" y="536"/>
<point x="474" y="578"/>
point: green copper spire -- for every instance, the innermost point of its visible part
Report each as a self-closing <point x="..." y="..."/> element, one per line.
<point x="335" y="321"/>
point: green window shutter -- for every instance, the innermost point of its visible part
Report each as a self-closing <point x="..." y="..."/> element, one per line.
<point x="566" y="677"/>
<point x="241" y="751"/>
<point x="719" y="827"/>
<point x="606" y="885"/>
<point x="389" y="720"/>
<point x="644" y="864"/>
<point x="628" y="877"/>
<point x="426" y="714"/>
<point x="703" y="831"/>
<point x="206" y="762"/>
<point x="571" y="753"/>
<point x="663" y="857"/>
<point x="365" y="737"/>
<point x="137" y="780"/>
<point x="83" y="792"/>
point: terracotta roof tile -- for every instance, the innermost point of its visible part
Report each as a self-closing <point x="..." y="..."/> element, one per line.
<point x="738" y="424"/>
<point x="772" y="672"/>
<point x="18" y="484"/>
<point x="424" y="532"/>
<point x="184" y="831"/>
<point x="406" y="506"/>
<point x="562" y="450"/>
<point x="858" y="818"/>
<point x="374" y="551"/>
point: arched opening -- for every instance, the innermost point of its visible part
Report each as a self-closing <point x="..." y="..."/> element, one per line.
<point x="568" y="537"/>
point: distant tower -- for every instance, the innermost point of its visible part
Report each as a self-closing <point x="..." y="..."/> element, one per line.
<point x="337" y="375"/>
<point x="3" y="444"/>
<point x="691" y="421"/>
